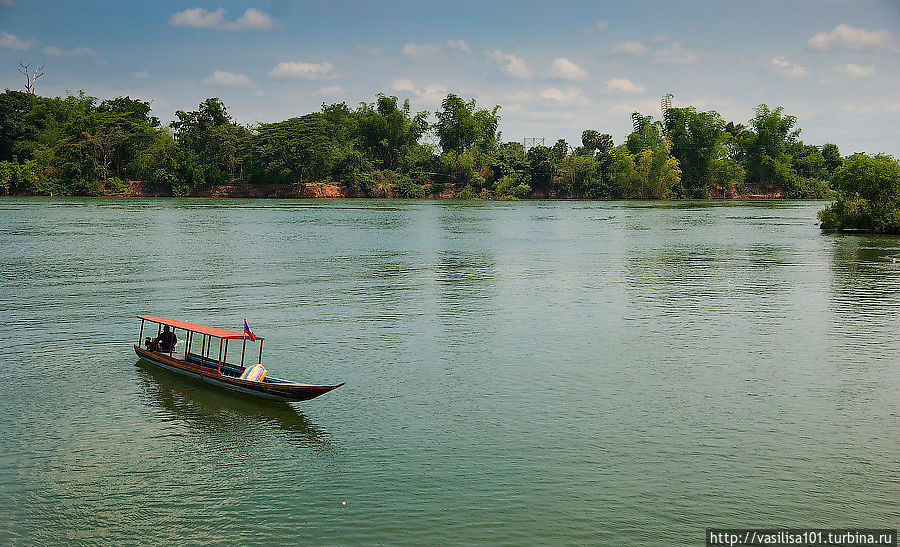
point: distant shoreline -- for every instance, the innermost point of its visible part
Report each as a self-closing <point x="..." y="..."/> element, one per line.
<point x="324" y="190"/>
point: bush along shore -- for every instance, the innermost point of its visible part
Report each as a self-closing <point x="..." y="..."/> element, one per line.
<point x="78" y="145"/>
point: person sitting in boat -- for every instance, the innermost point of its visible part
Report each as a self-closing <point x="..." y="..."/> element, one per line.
<point x="151" y="344"/>
<point x="167" y="340"/>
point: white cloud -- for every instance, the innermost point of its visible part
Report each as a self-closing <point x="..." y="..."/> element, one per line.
<point x="565" y="69"/>
<point x="847" y="37"/>
<point x="657" y="38"/>
<point x="460" y="45"/>
<point x="332" y="90"/>
<point x="854" y="71"/>
<point x="307" y="71"/>
<point x="12" y="41"/>
<point x="141" y="74"/>
<point x="252" y="19"/>
<point x="788" y="68"/>
<point x="74" y="52"/>
<point x="199" y="18"/>
<point x="220" y="78"/>
<point x="675" y="54"/>
<point x="367" y="49"/>
<point x="430" y="94"/>
<point x="601" y="24"/>
<point x="402" y="84"/>
<point x="570" y="96"/>
<point x="510" y="64"/>
<point x="630" y="48"/>
<point x="624" y="85"/>
<point x="419" y="52"/>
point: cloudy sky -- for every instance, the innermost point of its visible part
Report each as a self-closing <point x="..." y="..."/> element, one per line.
<point x="556" y="68"/>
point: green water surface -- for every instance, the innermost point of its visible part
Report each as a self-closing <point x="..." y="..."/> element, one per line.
<point x="534" y="372"/>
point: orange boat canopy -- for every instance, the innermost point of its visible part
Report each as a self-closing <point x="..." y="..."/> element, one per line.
<point x="202" y="329"/>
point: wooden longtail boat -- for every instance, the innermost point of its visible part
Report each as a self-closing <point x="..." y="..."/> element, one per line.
<point x="216" y="370"/>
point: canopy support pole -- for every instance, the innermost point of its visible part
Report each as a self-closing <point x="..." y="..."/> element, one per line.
<point x="141" y="335"/>
<point x="220" y="356"/>
<point x="243" y="347"/>
<point x="260" y="351"/>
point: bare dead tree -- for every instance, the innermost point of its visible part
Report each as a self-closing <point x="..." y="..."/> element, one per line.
<point x="31" y="77"/>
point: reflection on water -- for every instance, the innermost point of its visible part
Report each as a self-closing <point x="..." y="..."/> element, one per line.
<point x="864" y="290"/>
<point x="209" y="410"/>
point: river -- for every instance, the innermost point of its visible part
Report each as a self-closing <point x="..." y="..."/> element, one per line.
<point x="614" y="373"/>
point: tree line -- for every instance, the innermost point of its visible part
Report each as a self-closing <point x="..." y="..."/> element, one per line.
<point x="79" y="145"/>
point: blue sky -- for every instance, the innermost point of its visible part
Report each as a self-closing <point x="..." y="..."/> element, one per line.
<point x="556" y="68"/>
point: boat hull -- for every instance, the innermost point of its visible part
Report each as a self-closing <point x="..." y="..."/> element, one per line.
<point x="277" y="390"/>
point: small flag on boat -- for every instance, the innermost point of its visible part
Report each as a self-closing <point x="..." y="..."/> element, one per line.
<point x="248" y="333"/>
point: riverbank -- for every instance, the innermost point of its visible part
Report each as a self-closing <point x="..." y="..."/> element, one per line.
<point x="330" y="190"/>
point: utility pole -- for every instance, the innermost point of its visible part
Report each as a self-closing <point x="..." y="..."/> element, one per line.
<point x="531" y="142"/>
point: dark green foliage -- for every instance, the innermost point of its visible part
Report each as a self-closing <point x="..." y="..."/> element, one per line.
<point x="767" y="148"/>
<point x="208" y="146"/>
<point x="79" y="145"/>
<point x="647" y="134"/>
<point x="832" y="158"/>
<point x="540" y="167"/>
<point x="15" y="131"/>
<point x="559" y="151"/>
<point x="386" y="132"/>
<point x="461" y="126"/>
<point x="510" y="161"/>
<point x="19" y="178"/>
<point x="696" y="143"/>
<point x="404" y="187"/>
<point x="297" y="150"/>
<point x="868" y="195"/>
<point x="593" y="141"/>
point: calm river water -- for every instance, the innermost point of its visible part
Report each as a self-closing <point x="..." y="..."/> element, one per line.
<point x="530" y="372"/>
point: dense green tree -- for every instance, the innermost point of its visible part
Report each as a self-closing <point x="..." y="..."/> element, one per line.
<point x="79" y="145"/>
<point x="593" y="141"/>
<point x="295" y="150"/>
<point x="510" y="161"/>
<point x="832" y="158"/>
<point x="868" y="195"/>
<point x="650" y="174"/>
<point x="696" y="139"/>
<point x="386" y="131"/>
<point x="208" y="145"/>
<point x="577" y="175"/>
<point x="540" y="167"/>
<point x="461" y="125"/>
<point x="559" y="150"/>
<point x="647" y="134"/>
<point x="15" y="131"/>
<point x="807" y="160"/>
<point x="768" y="163"/>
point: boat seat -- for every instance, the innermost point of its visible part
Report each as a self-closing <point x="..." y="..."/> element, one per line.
<point x="256" y="373"/>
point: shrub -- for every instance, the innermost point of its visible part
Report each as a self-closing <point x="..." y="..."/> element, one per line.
<point x="868" y="195"/>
